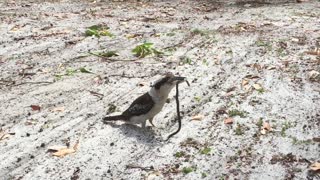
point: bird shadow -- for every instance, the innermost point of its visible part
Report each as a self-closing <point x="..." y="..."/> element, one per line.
<point x="143" y="135"/>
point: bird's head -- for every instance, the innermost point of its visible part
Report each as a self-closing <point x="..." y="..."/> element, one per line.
<point x="164" y="85"/>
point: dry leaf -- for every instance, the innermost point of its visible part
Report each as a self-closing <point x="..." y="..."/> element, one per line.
<point x="252" y="76"/>
<point x="58" y="109"/>
<point x="152" y="175"/>
<point x="313" y="75"/>
<point x="198" y="117"/>
<point x="56" y="148"/>
<point x="63" y="151"/>
<point x="315" y="166"/>
<point x="4" y="135"/>
<point x="247" y="88"/>
<point x="30" y="122"/>
<point x="263" y="131"/>
<point x="35" y="107"/>
<point x="271" y="67"/>
<point x="257" y="86"/>
<point x="228" y="121"/>
<point x="266" y="126"/>
<point x="244" y="82"/>
<point x="315" y="52"/>
<point x="98" y="80"/>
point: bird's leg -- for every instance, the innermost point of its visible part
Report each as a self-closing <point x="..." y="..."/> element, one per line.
<point x="150" y="120"/>
<point x="143" y="124"/>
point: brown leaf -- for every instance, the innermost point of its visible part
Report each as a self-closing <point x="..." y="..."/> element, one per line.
<point x="244" y="82"/>
<point x="315" y="166"/>
<point x="315" y="52"/>
<point x="56" y="148"/>
<point x="153" y="175"/>
<point x="4" y="135"/>
<point x="252" y="76"/>
<point x="61" y="151"/>
<point x="266" y="126"/>
<point x="58" y="109"/>
<point x="198" y="117"/>
<point x="313" y="75"/>
<point x="228" y="121"/>
<point x="35" y="107"/>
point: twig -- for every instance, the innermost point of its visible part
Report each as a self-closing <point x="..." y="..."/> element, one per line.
<point x="109" y="59"/>
<point x="132" y="166"/>
<point x="12" y="83"/>
<point x="96" y="94"/>
<point x="40" y="82"/>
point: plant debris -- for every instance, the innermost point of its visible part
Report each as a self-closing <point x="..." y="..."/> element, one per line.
<point x="35" y="107"/>
<point x="228" y="120"/>
<point x="61" y="151"/>
<point x="198" y="117"/>
<point x="144" y="50"/>
<point x="98" y="30"/>
<point x="315" y="166"/>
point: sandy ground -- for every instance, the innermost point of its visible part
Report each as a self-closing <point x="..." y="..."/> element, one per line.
<point x="246" y="61"/>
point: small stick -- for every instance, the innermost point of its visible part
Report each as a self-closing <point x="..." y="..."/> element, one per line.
<point x="178" y="111"/>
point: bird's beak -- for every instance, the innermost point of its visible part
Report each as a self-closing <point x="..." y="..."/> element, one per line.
<point x="179" y="79"/>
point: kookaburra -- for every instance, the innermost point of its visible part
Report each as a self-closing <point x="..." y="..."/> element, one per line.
<point x="149" y="104"/>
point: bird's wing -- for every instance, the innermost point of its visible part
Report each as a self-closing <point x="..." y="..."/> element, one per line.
<point x="141" y="105"/>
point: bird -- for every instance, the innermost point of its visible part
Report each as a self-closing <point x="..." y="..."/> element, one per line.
<point x="148" y="105"/>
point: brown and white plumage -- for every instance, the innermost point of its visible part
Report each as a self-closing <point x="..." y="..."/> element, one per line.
<point x="149" y="104"/>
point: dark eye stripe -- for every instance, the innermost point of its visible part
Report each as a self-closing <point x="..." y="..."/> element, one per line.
<point x="161" y="82"/>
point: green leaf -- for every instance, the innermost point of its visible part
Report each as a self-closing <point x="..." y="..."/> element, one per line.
<point x="98" y="30"/>
<point x="144" y="50"/>
<point x="204" y="175"/>
<point x="206" y="150"/>
<point x="187" y="170"/>
<point x="179" y="154"/>
<point x="83" y="70"/>
<point x="70" y="72"/>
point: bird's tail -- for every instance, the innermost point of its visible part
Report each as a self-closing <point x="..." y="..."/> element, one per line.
<point x="114" y="118"/>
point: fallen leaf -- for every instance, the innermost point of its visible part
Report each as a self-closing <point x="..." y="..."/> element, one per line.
<point x="35" y="107"/>
<point x="244" y="82"/>
<point x="315" y="52"/>
<point x="30" y="122"/>
<point x="83" y="70"/>
<point x="58" y="109"/>
<point x="316" y="139"/>
<point x="228" y="121"/>
<point x="266" y="126"/>
<point x="313" y="75"/>
<point x="56" y="148"/>
<point x="252" y="76"/>
<point x="271" y="67"/>
<point x="257" y="86"/>
<point x="263" y="131"/>
<point x="98" y="80"/>
<point x="153" y="175"/>
<point x="198" y="117"/>
<point x="315" y="166"/>
<point x="63" y="151"/>
<point x="247" y="88"/>
<point x="4" y="135"/>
